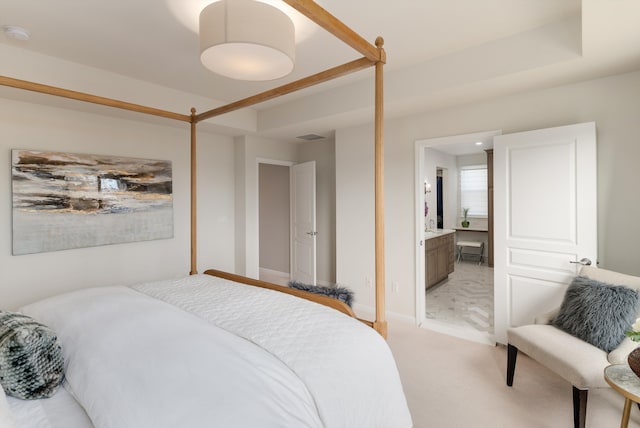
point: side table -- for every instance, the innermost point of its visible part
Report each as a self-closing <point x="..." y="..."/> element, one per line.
<point x="627" y="383"/>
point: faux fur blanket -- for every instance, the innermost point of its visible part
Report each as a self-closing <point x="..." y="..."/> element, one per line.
<point x="340" y="293"/>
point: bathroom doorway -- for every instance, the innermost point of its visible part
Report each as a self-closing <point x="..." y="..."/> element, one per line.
<point x="461" y="304"/>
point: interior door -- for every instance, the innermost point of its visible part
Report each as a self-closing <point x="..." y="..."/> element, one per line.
<point x="303" y="222"/>
<point x="545" y="218"/>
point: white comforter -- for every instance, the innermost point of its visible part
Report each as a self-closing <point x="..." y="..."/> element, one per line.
<point x="206" y="352"/>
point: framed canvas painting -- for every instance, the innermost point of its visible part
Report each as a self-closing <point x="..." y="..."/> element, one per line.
<point x="68" y="200"/>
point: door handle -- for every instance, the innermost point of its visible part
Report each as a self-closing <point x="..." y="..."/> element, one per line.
<point x="584" y="262"/>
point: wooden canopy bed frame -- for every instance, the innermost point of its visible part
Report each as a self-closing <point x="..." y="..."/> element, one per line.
<point x="373" y="55"/>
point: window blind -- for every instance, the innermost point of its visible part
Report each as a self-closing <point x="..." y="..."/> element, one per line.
<point x="473" y="191"/>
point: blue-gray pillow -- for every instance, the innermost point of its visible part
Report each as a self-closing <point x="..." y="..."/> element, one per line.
<point x="597" y="313"/>
<point x="31" y="361"/>
<point x="341" y="293"/>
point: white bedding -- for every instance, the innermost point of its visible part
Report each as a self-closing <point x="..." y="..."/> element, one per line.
<point x="6" y="417"/>
<point x="207" y="352"/>
<point x="59" y="411"/>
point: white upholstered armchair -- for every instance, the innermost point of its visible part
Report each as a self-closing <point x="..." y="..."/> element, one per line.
<point x="580" y="363"/>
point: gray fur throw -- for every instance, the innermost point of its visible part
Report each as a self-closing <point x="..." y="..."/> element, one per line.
<point x="31" y="361"/>
<point x="598" y="313"/>
<point x="340" y="293"/>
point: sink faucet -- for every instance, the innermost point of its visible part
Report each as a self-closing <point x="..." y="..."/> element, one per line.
<point x="431" y="224"/>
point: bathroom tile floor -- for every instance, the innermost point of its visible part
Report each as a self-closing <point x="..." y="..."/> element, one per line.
<point x="465" y="298"/>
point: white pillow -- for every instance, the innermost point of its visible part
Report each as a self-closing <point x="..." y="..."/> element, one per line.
<point x="6" y="419"/>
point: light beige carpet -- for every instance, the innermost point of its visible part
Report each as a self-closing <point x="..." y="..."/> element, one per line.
<point x="451" y="382"/>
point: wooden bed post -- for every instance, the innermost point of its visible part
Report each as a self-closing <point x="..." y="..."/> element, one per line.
<point x="194" y="226"/>
<point x="380" y="323"/>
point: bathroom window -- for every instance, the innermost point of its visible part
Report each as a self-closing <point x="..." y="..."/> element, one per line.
<point x="473" y="190"/>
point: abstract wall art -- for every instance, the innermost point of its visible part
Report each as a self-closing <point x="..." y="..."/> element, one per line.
<point x="66" y="200"/>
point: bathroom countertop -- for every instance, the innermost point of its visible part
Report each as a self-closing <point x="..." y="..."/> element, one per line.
<point x="434" y="233"/>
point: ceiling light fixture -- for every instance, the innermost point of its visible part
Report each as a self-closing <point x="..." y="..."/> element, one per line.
<point x="246" y="40"/>
<point x="479" y="143"/>
<point x="16" y="33"/>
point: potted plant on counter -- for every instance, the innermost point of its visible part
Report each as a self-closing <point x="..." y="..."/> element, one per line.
<point x="465" y="213"/>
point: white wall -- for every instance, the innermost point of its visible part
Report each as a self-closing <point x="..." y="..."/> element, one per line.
<point x="355" y="250"/>
<point x="32" y="126"/>
<point x="611" y="102"/>
<point x="216" y="199"/>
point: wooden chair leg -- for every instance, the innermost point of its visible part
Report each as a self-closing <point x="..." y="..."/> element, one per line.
<point x="579" y="407"/>
<point x="512" y="354"/>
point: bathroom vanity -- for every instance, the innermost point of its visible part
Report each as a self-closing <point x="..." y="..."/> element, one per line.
<point x="439" y="255"/>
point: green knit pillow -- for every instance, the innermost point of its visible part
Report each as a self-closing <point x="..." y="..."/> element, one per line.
<point x="31" y="361"/>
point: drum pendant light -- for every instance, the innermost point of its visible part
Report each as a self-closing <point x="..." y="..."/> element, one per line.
<point x="246" y="40"/>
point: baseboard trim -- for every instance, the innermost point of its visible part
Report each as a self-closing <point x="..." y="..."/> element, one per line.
<point x="461" y="332"/>
<point x="285" y="276"/>
<point x="365" y="311"/>
<point x="272" y="272"/>
<point x="274" y="276"/>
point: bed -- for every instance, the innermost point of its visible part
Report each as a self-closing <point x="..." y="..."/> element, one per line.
<point x="219" y="349"/>
<point x="208" y="351"/>
<point x="373" y="55"/>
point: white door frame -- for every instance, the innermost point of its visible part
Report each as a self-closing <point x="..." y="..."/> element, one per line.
<point x="259" y="161"/>
<point x="419" y="198"/>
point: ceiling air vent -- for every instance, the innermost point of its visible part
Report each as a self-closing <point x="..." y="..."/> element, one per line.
<point x="311" y="137"/>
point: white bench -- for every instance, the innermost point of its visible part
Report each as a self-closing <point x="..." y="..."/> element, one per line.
<point x="471" y="244"/>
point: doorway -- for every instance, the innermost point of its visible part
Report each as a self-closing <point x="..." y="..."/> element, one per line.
<point x="462" y="303"/>
<point x="286" y="221"/>
<point x="274" y="222"/>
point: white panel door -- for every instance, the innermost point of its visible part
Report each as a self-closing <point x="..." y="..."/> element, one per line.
<point x="303" y="222"/>
<point x="545" y="218"/>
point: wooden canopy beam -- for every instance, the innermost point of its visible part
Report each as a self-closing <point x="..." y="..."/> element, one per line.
<point x="334" y="26"/>
<point x="94" y="99"/>
<point x="288" y="88"/>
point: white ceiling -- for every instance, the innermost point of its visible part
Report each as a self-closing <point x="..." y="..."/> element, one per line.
<point x="439" y="53"/>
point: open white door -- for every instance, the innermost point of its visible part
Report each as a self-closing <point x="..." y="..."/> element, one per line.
<point x="545" y="205"/>
<point x="303" y="222"/>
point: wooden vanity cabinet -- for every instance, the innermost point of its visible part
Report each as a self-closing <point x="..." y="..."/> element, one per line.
<point x="440" y="258"/>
